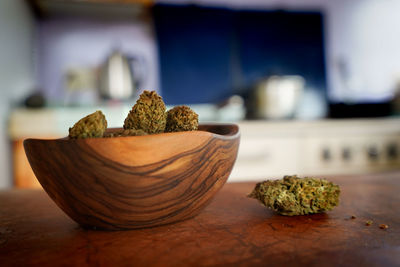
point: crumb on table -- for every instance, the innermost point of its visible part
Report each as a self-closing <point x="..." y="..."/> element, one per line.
<point x="383" y="226"/>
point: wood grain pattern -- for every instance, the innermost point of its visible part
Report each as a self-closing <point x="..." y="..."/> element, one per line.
<point x="232" y="231"/>
<point x="138" y="181"/>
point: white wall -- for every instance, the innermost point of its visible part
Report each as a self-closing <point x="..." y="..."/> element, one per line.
<point x="16" y="70"/>
<point x="365" y="36"/>
<point x="60" y="38"/>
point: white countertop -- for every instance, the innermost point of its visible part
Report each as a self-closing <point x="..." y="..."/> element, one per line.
<point x="55" y="122"/>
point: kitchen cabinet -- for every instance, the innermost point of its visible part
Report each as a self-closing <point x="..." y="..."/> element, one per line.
<point x="89" y="8"/>
<point x="47" y="123"/>
<point x="23" y="124"/>
<point x="22" y="171"/>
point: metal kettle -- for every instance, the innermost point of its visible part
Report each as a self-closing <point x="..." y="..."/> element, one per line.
<point x="120" y="76"/>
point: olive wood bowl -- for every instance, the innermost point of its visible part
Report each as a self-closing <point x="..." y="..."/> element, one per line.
<point x="138" y="181"/>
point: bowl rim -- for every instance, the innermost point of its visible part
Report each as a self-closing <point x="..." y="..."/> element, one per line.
<point x="233" y="133"/>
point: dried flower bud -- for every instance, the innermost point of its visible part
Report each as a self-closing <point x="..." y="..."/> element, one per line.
<point x="297" y="196"/>
<point x="93" y="125"/>
<point x="181" y="118"/>
<point x="133" y="132"/>
<point x="148" y="114"/>
<point x="127" y="132"/>
<point x="368" y="223"/>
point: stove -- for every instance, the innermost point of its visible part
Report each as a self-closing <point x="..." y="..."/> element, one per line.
<point x="272" y="149"/>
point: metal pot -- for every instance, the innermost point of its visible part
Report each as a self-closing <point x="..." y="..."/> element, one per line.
<point x="277" y="97"/>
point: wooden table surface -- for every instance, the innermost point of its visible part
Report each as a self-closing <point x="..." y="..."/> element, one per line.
<point x="233" y="230"/>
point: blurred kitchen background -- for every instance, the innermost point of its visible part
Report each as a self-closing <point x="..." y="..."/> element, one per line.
<point x="313" y="84"/>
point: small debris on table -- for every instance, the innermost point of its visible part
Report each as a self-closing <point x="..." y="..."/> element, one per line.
<point x="383" y="226"/>
<point x="368" y="223"/>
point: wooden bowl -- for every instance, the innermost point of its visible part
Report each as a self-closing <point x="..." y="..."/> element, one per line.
<point x="138" y="181"/>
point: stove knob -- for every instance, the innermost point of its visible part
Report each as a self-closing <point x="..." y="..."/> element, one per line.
<point x="346" y="153"/>
<point x="326" y="154"/>
<point x="372" y="153"/>
<point x="392" y="151"/>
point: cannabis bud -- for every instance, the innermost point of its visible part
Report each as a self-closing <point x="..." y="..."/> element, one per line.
<point x="297" y="196"/>
<point x="92" y="125"/>
<point x="181" y="118"/>
<point x="127" y="132"/>
<point x="148" y="114"/>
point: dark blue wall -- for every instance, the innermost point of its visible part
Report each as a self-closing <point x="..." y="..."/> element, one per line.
<point x="208" y="54"/>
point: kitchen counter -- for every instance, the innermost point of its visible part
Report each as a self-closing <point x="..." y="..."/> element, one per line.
<point x="232" y="230"/>
<point x="268" y="149"/>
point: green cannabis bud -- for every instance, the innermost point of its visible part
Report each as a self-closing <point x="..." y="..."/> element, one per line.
<point x="127" y="132"/>
<point x="93" y="125"/>
<point x="148" y="114"/>
<point x="297" y="196"/>
<point x="181" y="118"/>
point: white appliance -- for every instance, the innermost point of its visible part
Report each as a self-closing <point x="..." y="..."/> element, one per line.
<point x="316" y="148"/>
